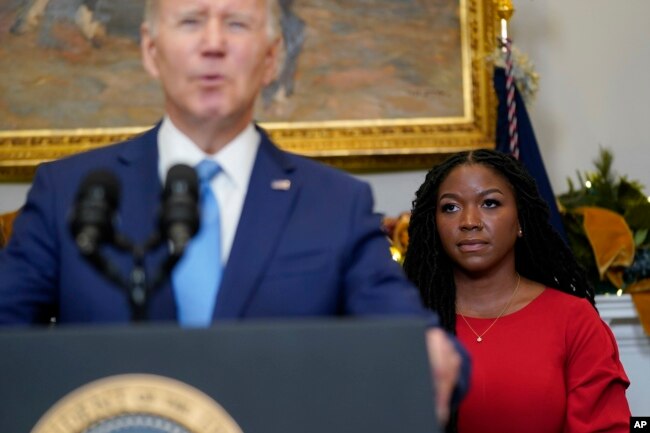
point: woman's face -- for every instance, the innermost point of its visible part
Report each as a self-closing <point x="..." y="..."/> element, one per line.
<point x="476" y="216"/>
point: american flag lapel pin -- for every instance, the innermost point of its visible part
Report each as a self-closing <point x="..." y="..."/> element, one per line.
<point x="281" y="184"/>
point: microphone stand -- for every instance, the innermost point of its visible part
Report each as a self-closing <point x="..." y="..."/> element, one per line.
<point x="137" y="286"/>
<point x="138" y="290"/>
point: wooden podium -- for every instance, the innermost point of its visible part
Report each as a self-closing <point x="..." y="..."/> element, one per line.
<point x="315" y="376"/>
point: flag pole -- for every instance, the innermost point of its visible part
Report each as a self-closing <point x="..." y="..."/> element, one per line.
<point x="505" y="9"/>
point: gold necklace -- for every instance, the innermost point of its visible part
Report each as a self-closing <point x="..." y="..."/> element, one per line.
<point x="479" y="337"/>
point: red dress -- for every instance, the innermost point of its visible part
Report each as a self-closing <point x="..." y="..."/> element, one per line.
<point x="552" y="366"/>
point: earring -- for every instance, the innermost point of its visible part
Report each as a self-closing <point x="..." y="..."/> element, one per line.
<point x="520" y="233"/>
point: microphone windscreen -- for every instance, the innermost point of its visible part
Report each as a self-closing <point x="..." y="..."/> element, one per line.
<point x="181" y="180"/>
<point x="100" y="185"/>
<point x="91" y="220"/>
<point x="180" y="212"/>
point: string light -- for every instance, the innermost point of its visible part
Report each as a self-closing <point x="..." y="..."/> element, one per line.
<point x="396" y="254"/>
<point x="588" y="184"/>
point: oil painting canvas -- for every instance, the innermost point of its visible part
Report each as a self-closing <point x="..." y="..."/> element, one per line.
<point x="348" y="67"/>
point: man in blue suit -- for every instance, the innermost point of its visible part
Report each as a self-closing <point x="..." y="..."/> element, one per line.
<point x="297" y="239"/>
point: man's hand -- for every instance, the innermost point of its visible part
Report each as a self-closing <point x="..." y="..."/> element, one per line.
<point x="445" y="364"/>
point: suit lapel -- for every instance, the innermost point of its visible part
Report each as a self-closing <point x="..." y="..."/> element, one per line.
<point x="141" y="193"/>
<point x="271" y="195"/>
<point x="141" y="187"/>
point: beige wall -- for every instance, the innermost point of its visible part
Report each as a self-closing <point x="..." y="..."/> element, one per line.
<point x="594" y="61"/>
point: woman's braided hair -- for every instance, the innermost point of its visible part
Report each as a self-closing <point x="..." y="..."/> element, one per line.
<point x="540" y="254"/>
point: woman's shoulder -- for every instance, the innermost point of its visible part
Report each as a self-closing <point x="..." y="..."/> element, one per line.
<point x="564" y="307"/>
<point x="560" y="298"/>
<point x="579" y="315"/>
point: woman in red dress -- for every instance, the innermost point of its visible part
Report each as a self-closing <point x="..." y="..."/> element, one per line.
<point x="484" y="255"/>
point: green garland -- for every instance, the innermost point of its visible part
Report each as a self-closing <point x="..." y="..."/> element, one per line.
<point x="603" y="188"/>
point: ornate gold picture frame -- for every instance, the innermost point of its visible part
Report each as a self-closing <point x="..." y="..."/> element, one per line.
<point x="412" y="137"/>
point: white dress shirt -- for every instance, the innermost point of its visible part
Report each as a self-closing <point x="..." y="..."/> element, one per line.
<point x="230" y="186"/>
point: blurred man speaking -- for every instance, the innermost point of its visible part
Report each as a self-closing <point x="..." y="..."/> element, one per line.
<point x="292" y="238"/>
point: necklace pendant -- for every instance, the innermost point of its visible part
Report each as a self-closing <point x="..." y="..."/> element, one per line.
<point x="479" y="339"/>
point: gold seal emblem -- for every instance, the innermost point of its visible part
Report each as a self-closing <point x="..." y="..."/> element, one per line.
<point x="136" y="403"/>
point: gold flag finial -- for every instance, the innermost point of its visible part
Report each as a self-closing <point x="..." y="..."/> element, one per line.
<point x="505" y="9"/>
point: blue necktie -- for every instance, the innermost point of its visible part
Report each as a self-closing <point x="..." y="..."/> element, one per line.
<point x="197" y="276"/>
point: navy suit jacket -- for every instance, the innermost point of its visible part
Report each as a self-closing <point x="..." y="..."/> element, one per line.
<point x="315" y="249"/>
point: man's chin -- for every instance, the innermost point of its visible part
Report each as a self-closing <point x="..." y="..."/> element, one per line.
<point x="210" y="114"/>
<point x="218" y="111"/>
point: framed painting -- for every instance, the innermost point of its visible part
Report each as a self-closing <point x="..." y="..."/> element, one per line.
<point x="365" y="85"/>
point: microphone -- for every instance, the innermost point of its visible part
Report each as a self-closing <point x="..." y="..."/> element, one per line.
<point x="91" y="222"/>
<point x="180" y="210"/>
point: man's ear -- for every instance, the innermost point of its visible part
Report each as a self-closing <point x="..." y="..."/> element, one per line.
<point x="273" y="60"/>
<point x="148" y="50"/>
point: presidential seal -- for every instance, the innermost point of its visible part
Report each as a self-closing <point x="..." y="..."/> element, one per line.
<point x="136" y="403"/>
